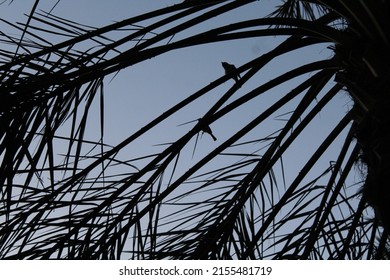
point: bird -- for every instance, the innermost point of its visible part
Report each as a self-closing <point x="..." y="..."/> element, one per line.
<point x="205" y="128"/>
<point x="231" y="70"/>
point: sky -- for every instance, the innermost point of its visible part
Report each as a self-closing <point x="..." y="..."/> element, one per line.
<point x="140" y="93"/>
<point x="160" y="82"/>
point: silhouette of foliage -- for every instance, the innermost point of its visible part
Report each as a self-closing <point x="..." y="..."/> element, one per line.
<point x="67" y="193"/>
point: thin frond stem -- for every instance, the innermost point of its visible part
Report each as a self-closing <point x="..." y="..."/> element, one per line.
<point x="337" y="130"/>
<point x="354" y="226"/>
<point x="319" y="221"/>
<point x="327" y="210"/>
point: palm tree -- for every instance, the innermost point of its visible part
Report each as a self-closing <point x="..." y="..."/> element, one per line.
<point x="237" y="200"/>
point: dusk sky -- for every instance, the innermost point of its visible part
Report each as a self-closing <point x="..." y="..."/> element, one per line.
<point x="140" y="93"/>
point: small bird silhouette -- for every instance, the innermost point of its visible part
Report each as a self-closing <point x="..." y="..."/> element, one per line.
<point x="205" y="128"/>
<point x="231" y="70"/>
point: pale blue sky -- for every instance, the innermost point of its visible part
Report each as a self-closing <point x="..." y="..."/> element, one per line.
<point x="140" y="93"/>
